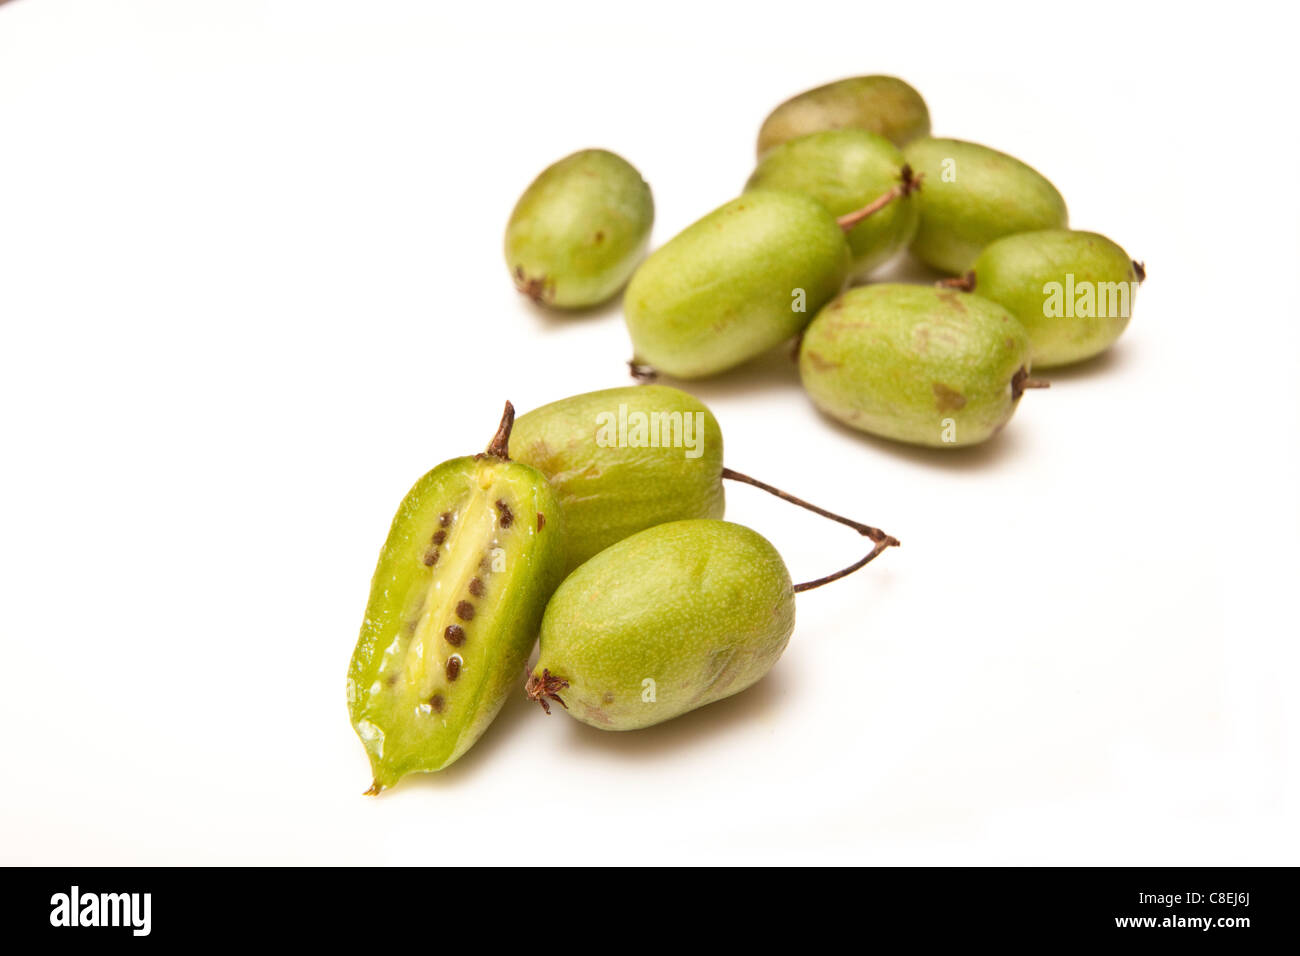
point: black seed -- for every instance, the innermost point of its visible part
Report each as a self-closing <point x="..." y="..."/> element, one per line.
<point x="430" y="558"/>
<point x="507" y="516"/>
<point x="465" y="611"/>
<point x="444" y="519"/>
<point x="436" y="702"/>
<point x="439" y="537"/>
<point x="541" y="521"/>
<point x="476" y="587"/>
<point x="455" y="635"/>
<point x="453" y="668"/>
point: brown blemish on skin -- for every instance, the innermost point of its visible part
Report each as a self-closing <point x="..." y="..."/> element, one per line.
<point x="507" y="516"/>
<point x="953" y="299"/>
<point x="600" y="236"/>
<point x="598" y="714"/>
<point x="607" y="697"/>
<point x="453" y="667"/>
<point x="465" y="611"/>
<point x="820" y="363"/>
<point x="948" y="399"/>
<point x="431" y="558"/>
<point x="437" y="703"/>
<point x="541" y="521"/>
<point x="476" y="587"/>
<point x="455" y="635"/>
<point x="390" y="680"/>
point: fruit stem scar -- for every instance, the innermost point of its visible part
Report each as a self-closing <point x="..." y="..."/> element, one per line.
<point x="1140" y="270"/>
<point x="964" y="283"/>
<point x="499" y="447"/>
<point x="546" y="686"/>
<point x="908" y="184"/>
<point x="1021" y="381"/>
<point x="640" y="371"/>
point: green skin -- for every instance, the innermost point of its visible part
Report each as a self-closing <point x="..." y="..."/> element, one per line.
<point x="701" y="608"/>
<point x="608" y="491"/>
<point x="723" y="290"/>
<point x="1016" y="271"/>
<point x="916" y="364"/>
<point x="844" y="170"/>
<point x="409" y="710"/>
<point x="981" y="196"/>
<point x="879" y="104"/>
<point x="579" y="230"/>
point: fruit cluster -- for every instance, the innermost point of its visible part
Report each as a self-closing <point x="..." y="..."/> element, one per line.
<point x="847" y="178"/>
<point x="578" y="520"/>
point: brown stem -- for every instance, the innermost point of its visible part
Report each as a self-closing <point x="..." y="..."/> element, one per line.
<point x="499" y="447"/>
<point x="964" y="283"/>
<point x="908" y="184"/>
<point x="374" y="790"/>
<point x="1140" y="268"/>
<point x="545" y="687"/>
<point x="1021" y="381"/>
<point x="845" y="572"/>
<point x="641" y="372"/>
<point x="881" y="539"/>
<point x="875" y="534"/>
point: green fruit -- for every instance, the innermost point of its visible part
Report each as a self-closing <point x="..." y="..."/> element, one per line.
<point x="844" y="170"/>
<point x="473" y="555"/>
<point x="917" y="364"/>
<point x="734" y="284"/>
<point x="579" y="230"/>
<point x="622" y="460"/>
<point x="1072" y="291"/>
<point x="879" y="104"/>
<point x="972" y="196"/>
<point x="670" y="619"/>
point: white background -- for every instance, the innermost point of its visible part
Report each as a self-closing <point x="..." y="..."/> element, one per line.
<point x="251" y="288"/>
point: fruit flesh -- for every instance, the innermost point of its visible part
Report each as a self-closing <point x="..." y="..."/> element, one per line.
<point x="730" y="286"/>
<point x="579" y="230"/>
<point x="1096" y="276"/>
<point x="624" y="459"/>
<point x="701" y="609"/>
<point x="916" y="364"/>
<point x="972" y="196"/>
<point x="884" y="105"/>
<point x="845" y="170"/>
<point x="472" y="556"/>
